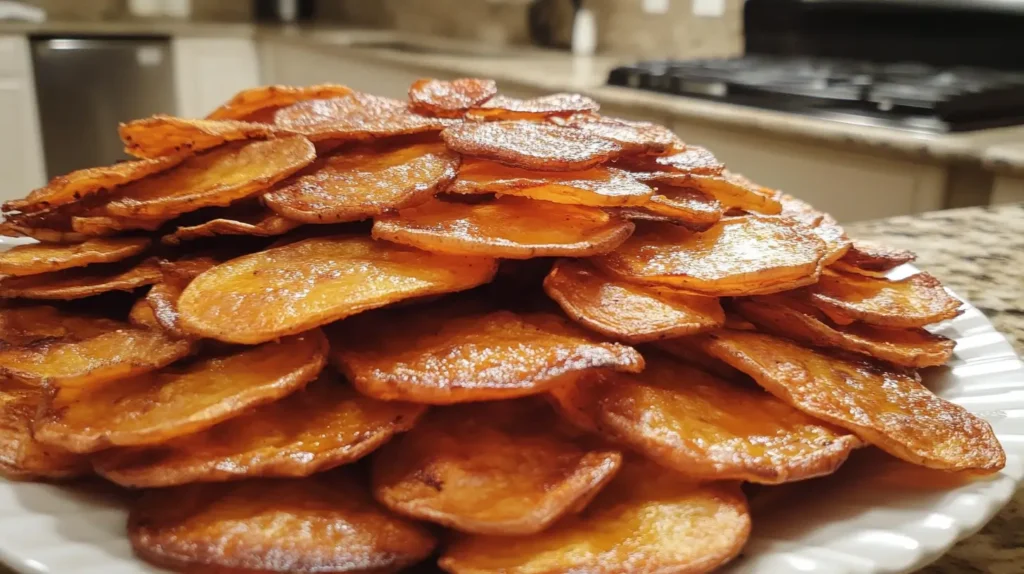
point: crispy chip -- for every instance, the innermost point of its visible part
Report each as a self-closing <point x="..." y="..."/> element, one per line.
<point x="353" y="117"/>
<point x="732" y="190"/>
<point x="218" y="177"/>
<point x="709" y="428"/>
<point x="869" y="258"/>
<point x="504" y="468"/>
<point x="738" y="256"/>
<point x="259" y="222"/>
<point x="530" y="145"/>
<point x="443" y="355"/>
<point x="21" y="456"/>
<point x="298" y="286"/>
<point x="836" y="241"/>
<point x="505" y="108"/>
<point x="76" y="361"/>
<point x="85" y="282"/>
<point x="687" y="350"/>
<point x="508" y="227"/>
<point x="628" y="312"/>
<point x="674" y="168"/>
<point x="162" y="300"/>
<point x="887" y="407"/>
<point x="76" y="185"/>
<point x="352" y="186"/>
<point x="105" y="225"/>
<point x="599" y="186"/>
<point x="450" y="99"/>
<point x="648" y="519"/>
<point x="323" y="426"/>
<point x="634" y="137"/>
<point x="905" y="347"/>
<point x="11" y="228"/>
<point x="325" y="523"/>
<point x="141" y="315"/>
<point x="155" y="407"/>
<point x="257" y="101"/>
<point x="915" y="301"/>
<point x="24" y="326"/>
<point x="694" y="210"/>
<point x="43" y="258"/>
<point x="161" y="135"/>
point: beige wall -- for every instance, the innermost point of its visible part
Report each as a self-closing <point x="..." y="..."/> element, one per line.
<point x="112" y="9"/>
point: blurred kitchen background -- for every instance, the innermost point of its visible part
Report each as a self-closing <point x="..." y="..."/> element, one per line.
<point x="866" y="108"/>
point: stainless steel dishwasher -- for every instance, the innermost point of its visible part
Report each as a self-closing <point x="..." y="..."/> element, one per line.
<point x="85" y="86"/>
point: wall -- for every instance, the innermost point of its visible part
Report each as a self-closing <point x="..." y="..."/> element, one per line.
<point x="234" y="10"/>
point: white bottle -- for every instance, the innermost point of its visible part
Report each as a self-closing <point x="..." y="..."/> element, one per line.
<point x="584" y="33"/>
<point x="145" y="8"/>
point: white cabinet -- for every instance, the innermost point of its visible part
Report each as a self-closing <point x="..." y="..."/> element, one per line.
<point x="208" y="71"/>
<point x="21" y="151"/>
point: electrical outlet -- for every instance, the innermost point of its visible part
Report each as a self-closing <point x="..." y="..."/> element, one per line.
<point x="655" y="6"/>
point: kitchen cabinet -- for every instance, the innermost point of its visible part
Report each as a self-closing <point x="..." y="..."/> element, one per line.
<point x="1008" y="189"/>
<point x="21" y="149"/>
<point x="208" y="71"/>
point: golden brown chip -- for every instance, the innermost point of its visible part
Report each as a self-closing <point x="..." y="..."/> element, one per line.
<point x="79" y="283"/>
<point x="687" y="350"/>
<point x="599" y="186"/>
<point x="530" y="145"/>
<point x="508" y="227"/>
<point x="738" y="256"/>
<point x="325" y="523"/>
<point x="62" y="234"/>
<point x="915" y="301"/>
<point x="732" y="190"/>
<point x="24" y="326"/>
<point x="353" y="117"/>
<point x="648" y="519"/>
<point x="505" y="108"/>
<point x="673" y="169"/>
<point x="887" y="407"/>
<point x="256" y="101"/>
<point x="218" y="177"/>
<point x="634" y="137"/>
<point x="79" y="184"/>
<point x="141" y="315"/>
<point x="358" y="185"/>
<point x="106" y="225"/>
<point x="799" y="210"/>
<point x="869" y="258"/>
<point x="162" y="300"/>
<point x="155" y="407"/>
<point x="905" y="347"/>
<point x="709" y="428"/>
<point x="694" y="210"/>
<point x="443" y="355"/>
<point x="325" y="425"/>
<point x="302" y="285"/>
<point x="261" y="223"/>
<point x="628" y="312"/>
<point x="836" y="241"/>
<point x="505" y="468"/>
<point x="450" y="99"/>
<point x="161" y="135"/>
<point x="21" y="456"/>
<point x="76" y="361"/>
<point x="43" y="258"/>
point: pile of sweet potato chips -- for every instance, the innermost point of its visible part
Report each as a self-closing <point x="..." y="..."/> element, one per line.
<point x="318" y="323"/>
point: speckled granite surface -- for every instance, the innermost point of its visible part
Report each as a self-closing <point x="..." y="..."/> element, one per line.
<point x="979" y="253"/>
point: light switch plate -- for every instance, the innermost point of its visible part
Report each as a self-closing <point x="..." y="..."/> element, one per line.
<point x="709" y="8"/>
<point x="655" y="6"/>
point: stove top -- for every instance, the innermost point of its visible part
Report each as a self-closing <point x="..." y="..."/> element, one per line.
<point x="907" y="96"/>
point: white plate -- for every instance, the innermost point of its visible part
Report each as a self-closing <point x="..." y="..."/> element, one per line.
<point x="865" y="520"/>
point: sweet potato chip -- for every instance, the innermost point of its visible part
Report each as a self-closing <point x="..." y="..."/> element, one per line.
<point x="302" y="285"/>
<point x="444" y="355"/>
<point x="219" y="177"/>
<point x="887" y="407"/>
<point x="738" y="256"/>
<point x="530" y="145"/>
<point x="732" y="190"/>
<point x="257" y="101"/>
<point x="161" y="135"/>
<point x="648" y="519"/>
<point x="261" y="223"/>
<point x="869" y="258"/>
<point x="106" y="225"/>
<point x="162" y="300"/>
<point x="709" y="428"/>
<point x="915" y="301"/>
<point x="76" y="361"/>
<point x="355" y="117"/>
<point x="599" y="186"/>
<point x="687" y="350"/>
<point x="21" y="456"/>
<point x="63" y="234"/>
<point x="694" y="210"/>
<point x="625" y="311"/>
<point x="325" y="523"/>
<point x="24" y="326"/>
<point x="905" y="347"/>
<point x="155" y="407"/>
<point x="675" y="167"/>
<point x="450" y="99"/>
<point x="141" y="315"/>
<point x="504" y="468"/>
<point x="508" y="227"/>
<point x="325" y="425"/>
<point x="79" y="283"/>
<point x="76" y="185"/>
<point x="43" y="258"/>
<point x="505" y="108"/>
<point x="634" y="137"/>
<point x="836" y="241"/>
<point x="352" y="186"/>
